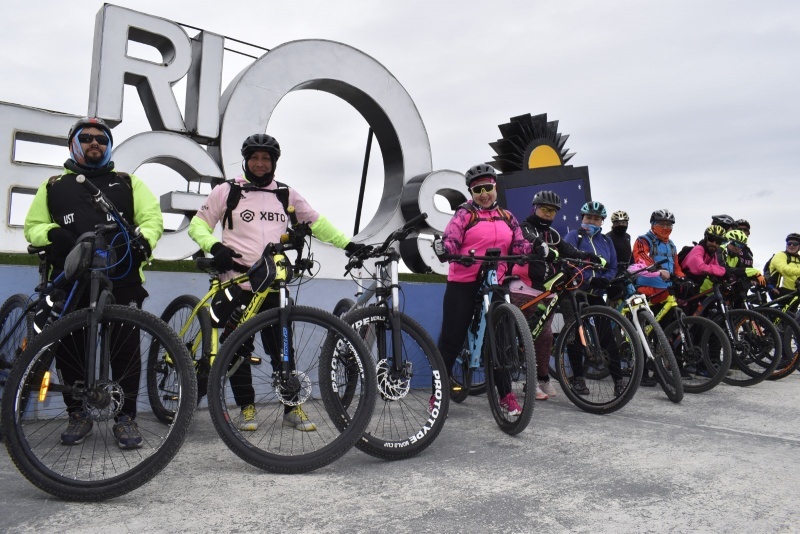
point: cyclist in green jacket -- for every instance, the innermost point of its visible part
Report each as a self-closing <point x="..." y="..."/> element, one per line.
<point x="60" y="212"/>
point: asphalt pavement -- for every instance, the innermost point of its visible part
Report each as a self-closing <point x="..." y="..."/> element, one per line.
<point x="722" y="461"/>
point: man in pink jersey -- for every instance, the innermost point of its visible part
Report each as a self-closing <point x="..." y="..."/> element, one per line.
<point x="257" y="219"/>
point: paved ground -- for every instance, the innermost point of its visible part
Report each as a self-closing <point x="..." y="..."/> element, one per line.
<point x="724" y="461"/>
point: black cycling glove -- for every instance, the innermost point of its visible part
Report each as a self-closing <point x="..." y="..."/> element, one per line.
<point x="598" y="282"/>
<point x="223" y="257"/>
<point x="62" y="242"/>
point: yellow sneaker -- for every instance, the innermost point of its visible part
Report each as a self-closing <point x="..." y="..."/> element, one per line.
<point x="298" y="419"/>
<point x="247" y="419"/>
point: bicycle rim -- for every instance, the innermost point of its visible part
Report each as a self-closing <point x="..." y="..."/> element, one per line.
<point x="601" y="333"/>
<point x="757" y="348"/>
<point x="15" y="335"/>
<point x="507" y="364"/>
<point x="667" y="370"/>
<point x="35" y="415"/>
<point x="412" y="404"/>
<point x="162" y="378"/>
<point x="319" y="344"/>
<point x="790" y="342"/>
<point x="702" y="350"/>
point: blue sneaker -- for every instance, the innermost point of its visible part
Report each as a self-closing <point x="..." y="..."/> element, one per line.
<point x="79" y="428"/>
<point x="126" y="432"/>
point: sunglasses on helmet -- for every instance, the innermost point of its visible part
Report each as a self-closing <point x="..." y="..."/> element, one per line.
<point x="87" y="138"/>
<point x="482" y="188"/>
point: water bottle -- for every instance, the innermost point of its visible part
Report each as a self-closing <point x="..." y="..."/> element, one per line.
<point x="233" y="322"/>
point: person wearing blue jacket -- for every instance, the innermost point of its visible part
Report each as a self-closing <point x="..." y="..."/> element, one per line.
<point x="590" y="238"/>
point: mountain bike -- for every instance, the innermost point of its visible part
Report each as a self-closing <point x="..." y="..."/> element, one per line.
<point x="89" y="361"/>
<point x="656" y="345"/>
<point x="786" y="322"/>
<point x="412" y="379"/>
<point x="596" y="341"/>
<point x="297" y="360"/>
<point x="754" y="339"/>
<point x="498" y="342"/>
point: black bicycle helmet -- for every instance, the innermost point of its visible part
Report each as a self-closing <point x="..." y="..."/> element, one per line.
<point x="594" y="208"/>
<point x="742" y="223"/>
<point x="549" y="198"/>
<point x="258" y="142"/>
<point x="793" y="237"/>
<point x="662" y="216"/>
<point x="480" y="170"/>
<point x="726" y="221"/>
<point x="86" y="122"/>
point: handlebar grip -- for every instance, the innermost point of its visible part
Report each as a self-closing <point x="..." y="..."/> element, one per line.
<point x="292" y="216"/>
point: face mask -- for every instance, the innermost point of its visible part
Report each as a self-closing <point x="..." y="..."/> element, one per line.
<point x="591" y="229"/>
<point x="619" y="229"/>
<point x="662" y="233"/>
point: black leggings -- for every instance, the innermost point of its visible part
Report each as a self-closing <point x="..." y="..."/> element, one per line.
<point x="575" y="350"/>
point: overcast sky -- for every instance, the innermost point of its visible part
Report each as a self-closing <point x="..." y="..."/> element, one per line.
<point x="685" y="105"/>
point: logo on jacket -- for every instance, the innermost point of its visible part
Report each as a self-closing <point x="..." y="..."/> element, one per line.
<point x="247" y="215"/>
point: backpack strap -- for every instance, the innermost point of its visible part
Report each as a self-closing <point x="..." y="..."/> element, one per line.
<point x="235" y="195"/>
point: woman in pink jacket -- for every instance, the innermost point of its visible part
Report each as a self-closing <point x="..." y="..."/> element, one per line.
<point x="479" y="224"/>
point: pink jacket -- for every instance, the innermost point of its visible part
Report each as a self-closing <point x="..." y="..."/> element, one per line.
<point x="698" y="263"/>
<point x="490" y="231"/>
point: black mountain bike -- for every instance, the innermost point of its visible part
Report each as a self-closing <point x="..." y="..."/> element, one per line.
<point x="90" y="360"/>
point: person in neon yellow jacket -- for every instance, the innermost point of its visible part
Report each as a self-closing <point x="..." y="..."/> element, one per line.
<point x="784" y="266"/>
<point x="59" y="214"/>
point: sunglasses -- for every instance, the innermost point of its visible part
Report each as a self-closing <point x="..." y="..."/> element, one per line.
<point x="482" y="188"/>
<point x="792" y="244"/>
<point x="737" y="244"/>
<point x="715" y="240"/>
<point x="664" y="224"/>
<point x="87" y="138"/>
<point x="546" y="209"/>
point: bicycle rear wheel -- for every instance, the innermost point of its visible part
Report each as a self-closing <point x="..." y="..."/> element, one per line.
<point x="412" y="405"/>
<point x="757" y="348"/>
<point x="15" y="333"/>
<point x="790" y="341"/>
<point x="600" y="327"/>
<point x="162" y="379"/>
<point x="507" y="361"/>
<point x="667" y="370"/>
<point x="35" y="410"/>
<point x="319" y="344"/>
<point x="702" y="350"/>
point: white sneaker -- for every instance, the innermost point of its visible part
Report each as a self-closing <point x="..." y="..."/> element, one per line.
<point x="298" y="419"/>
<point x="541" y="395"/>
<point x="548" y="388"/>
<point x="247" y="419"/>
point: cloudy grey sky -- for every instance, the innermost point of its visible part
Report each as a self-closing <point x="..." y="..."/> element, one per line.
<point x="687" y="105"/>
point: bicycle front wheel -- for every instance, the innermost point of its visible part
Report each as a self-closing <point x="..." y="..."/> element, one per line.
<point x="15" y="333"/>
<point x="702" y="350"/>
<point x="162" y="379"/>
<point x="790" y="341"/>
<point x="603" y="337"/>
<point x="667" y="370"/>
<point x="50" y="388"/>
<point x="508" y="362"/>
<point x="298" y="422"/>
<point x="413" y="399"/>
<point x="757" y="348"/>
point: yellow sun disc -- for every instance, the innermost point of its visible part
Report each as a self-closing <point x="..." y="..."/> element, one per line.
<point x="543" y="156"/>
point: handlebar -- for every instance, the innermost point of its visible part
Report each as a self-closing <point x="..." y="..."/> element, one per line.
<point x="357" y="259"/>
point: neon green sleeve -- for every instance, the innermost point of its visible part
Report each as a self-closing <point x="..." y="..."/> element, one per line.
<point x="146" y="212"/>
<point x="325" y="231"/>
<point x="201" y="233"/>
<point x="38" y="221"/>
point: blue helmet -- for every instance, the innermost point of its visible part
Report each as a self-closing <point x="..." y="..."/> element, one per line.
<point x="594" y="208"/>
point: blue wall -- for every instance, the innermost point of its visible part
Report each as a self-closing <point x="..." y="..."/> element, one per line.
<point x="423" y="302"/>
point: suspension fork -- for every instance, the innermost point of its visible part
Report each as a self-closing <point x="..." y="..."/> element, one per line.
<point x="283" y="321"/>
<point x="398" y="365"/>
